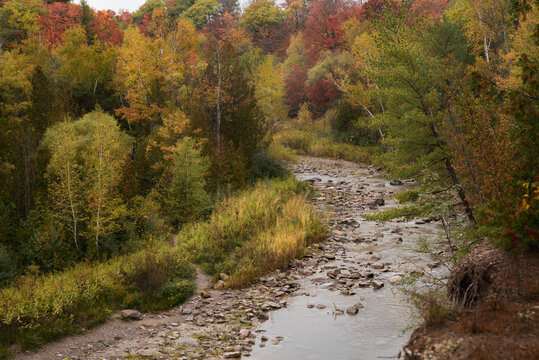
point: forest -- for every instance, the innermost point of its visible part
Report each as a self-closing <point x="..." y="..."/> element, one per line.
<point x="125" y="134"/>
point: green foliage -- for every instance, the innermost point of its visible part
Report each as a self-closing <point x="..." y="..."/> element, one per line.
<point x="200" y="11"/>
<point x="260" y="15"/>
<point x="267" y="165"/>
<point x="254" y="232"/>
<point x="86" y="160"/>
<point x="37" y="309"/>
<point x="7" y="266"/>
<point x="186" y="200"/>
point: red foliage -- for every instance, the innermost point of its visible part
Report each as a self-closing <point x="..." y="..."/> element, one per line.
<point x="144" y="23"/>
<point x="321" y="93"/>
<point x="295" y="89"/>
<point x="59" y="18"/>
<point x="105" y="27"/>
<point x="323" y="28"/>
<point x="429" y="8"/>
<point x="125" y="17"/>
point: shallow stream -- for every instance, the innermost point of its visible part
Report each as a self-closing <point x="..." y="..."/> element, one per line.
<point x="380" y="252"/>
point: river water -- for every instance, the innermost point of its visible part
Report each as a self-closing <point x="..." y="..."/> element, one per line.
<point x="378" y="252"/>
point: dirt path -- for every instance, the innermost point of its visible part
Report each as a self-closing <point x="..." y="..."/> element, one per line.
<point x="358" y="258"/>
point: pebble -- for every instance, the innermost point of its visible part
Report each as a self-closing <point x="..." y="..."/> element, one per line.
<point x="351" y="310"/>
<point x="232" y="355"/>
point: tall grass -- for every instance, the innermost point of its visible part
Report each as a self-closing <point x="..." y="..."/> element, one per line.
<point x="37" y="309"/>
<point x="313" y="143"/>
<point x="257" y="231"/>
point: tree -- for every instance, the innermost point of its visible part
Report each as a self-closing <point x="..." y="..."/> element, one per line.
<point x="201" y="12"/>
<point x="86" y="71"/>
<point x="186" y="200"/>
<point x="87" y="157"/>
<point x="18" y="21"/>
<point x="323" y="28"/>
<point x="429" y="8"/>
<point x="487" y="23"/>
<point x="269" y="90"/>
<point x="264" y="21"/>
<point x="104" y="152"/>
<point x="58" y="18"/>
<point x="105" y="27"/>
<point x="295" y="74"/>
<point x="414" y="80"/>
<point x="65" y="175"/>
<point x="225" y="108"/>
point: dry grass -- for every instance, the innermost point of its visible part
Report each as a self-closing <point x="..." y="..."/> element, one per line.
<point x="255" y="232"/>
<point x="313" y="143"/>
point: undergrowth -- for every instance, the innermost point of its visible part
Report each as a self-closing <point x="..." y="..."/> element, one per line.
<point x="255" y="232"/>
<point x="317" y="144"/>
<point x="37" y="309"/>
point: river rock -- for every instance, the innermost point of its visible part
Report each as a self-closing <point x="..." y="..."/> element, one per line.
<point x="270" y="305"/>
<point x="205" y="294"/>
<point x="131" y="314"/>
<point x="377" y="265"/>
<point x="244" y="333"/>
<point x="395" y="279"/>
<point x="395" y="182"/>
<point x="351" y="310"/>
<point x="187" y="311"/>
<point x="320" y="306"/>
<point x="377" y="284"/>
<point x="232" y="355"/>
<point x="380" y="202"/>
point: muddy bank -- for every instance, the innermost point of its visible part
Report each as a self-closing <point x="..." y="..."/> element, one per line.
<point x="496" y="297"/>
<point x="339" y="301"/>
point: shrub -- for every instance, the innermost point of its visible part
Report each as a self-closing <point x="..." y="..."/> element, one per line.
<point x="281" y="152"/>
<point x="266" y="166"/>
<point x="432" y="306"/>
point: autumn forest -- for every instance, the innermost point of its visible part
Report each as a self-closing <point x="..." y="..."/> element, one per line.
<point x="135" y="144"/>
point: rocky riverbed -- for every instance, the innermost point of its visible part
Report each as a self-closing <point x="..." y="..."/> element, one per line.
<point x="341" y="301"/>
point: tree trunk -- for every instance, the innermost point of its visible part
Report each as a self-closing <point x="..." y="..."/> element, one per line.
<point x="218" y="125"/>
<point x="72" y="205"/>
<point x="454" y="178"/>
<point x="461" y="193"/>
<point x="99" y="191"/>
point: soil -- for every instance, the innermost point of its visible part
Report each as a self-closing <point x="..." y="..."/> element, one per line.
<point x="497" y="295"/>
